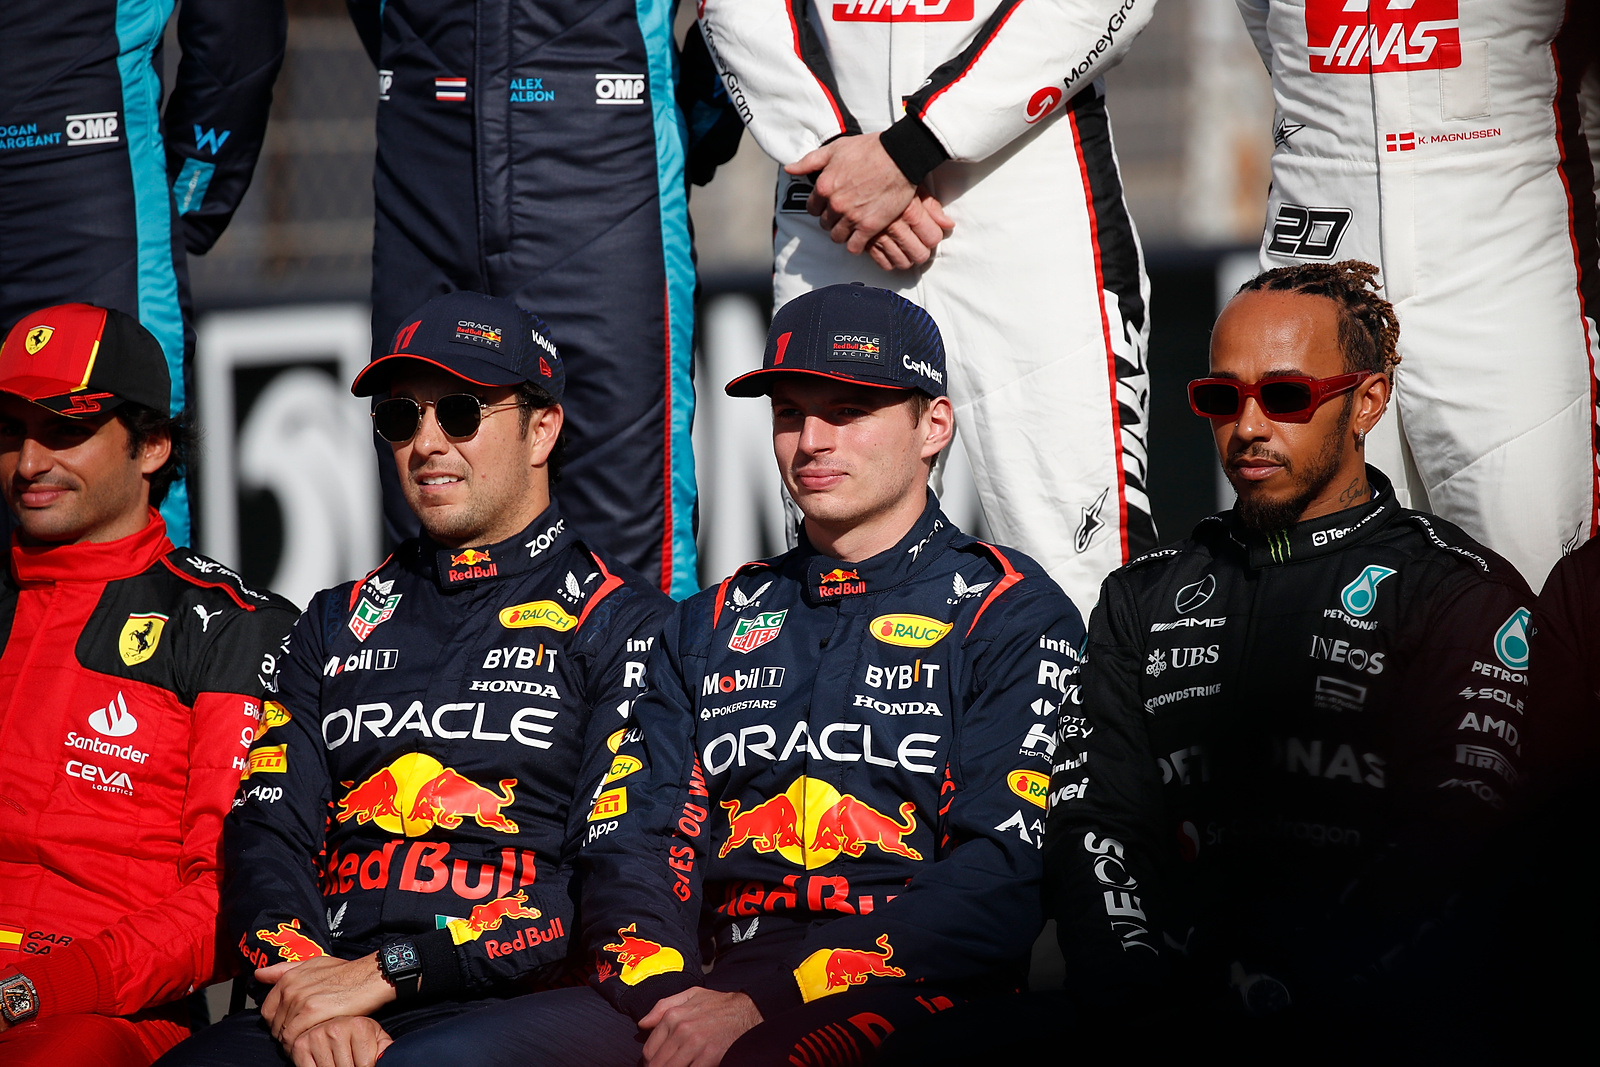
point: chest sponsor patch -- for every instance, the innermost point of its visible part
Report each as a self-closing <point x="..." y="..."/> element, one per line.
<point x="908" y="631"/>
<point x="902" y="11"/>
<point x="140" y="637"/>
<point x="1382" y="36"/>
<point x="750" y="634"/>
<point x="546" y="613"/>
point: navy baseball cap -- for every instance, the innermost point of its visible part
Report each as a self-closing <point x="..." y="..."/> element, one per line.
<point x="852" y="333"/>
<point x="487" y="340"/>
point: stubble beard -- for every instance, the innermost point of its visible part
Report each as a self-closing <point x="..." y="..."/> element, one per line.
<point x="1266" y="514"/>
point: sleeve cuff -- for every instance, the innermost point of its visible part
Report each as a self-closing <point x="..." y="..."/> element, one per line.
<point x="775" y="993"/>
<point x="914" y="149"/>
<point x="442" y="978"/>
<point x="69" y="982"/>
<point x="636" y="1001"/>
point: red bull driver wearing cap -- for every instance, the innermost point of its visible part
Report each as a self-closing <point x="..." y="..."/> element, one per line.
<point x="838" y="777"/>
<point x="400" y="853"/>
<point x="131" y="686"/>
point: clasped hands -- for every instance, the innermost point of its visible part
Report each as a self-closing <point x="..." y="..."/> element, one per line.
<point x="866" y="204"/>
<point x="320" y="1010"/>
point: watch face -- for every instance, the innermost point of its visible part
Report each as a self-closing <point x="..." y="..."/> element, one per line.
<point x="400" y="959"/>
<point x="17" y="1001"/>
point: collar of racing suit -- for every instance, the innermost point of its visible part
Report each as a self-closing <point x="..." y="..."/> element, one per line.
<point x="105" y="561"/>
<point x="828" y="579"/>
<point x="1322" y="536"/>
<point x="537" y="544"/>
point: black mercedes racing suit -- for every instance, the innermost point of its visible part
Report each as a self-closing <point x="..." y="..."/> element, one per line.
<point x="417" y="776"/>
<point x="1290" y="751"/>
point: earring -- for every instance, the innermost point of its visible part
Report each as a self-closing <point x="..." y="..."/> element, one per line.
<point x="1361" y="438"/>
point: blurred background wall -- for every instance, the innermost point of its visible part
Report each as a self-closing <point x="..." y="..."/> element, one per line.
<point x="287" y="493"/>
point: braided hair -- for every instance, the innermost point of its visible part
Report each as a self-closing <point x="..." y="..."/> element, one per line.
<point x="1368" y="329"/>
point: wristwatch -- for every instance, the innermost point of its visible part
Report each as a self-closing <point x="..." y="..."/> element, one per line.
<point x="400" y="964"/>
<point x="19" y="1001"/>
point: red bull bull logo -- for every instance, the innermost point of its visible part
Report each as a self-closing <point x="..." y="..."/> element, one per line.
<point x="811" y="823"/>
<point x="839" y="582"/>
<point x="640" y="959"/>
<point x="416" y="792"/>
<point x="487" y="917"/>
<point x="292" y="945"/>
<point x="833" y="970"/>
<point x="473" y="563"/>
<point x="769" y="826"/>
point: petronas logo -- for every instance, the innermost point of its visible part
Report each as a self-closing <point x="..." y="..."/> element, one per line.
<point x="1361" y="595"/>
<point x="1511" y="642"/>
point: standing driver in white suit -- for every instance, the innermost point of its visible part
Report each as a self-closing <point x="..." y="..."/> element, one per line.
<point x="979" y="127"/>
<point x="1442" y="140"/>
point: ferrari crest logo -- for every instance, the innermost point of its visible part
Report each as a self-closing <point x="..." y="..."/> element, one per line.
<point x="140" y="636"/>
<point x="37" y="338"/>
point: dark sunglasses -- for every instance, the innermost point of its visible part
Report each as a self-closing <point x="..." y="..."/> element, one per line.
<point x="1286" y="398"/>
<point x="460" y="414"/>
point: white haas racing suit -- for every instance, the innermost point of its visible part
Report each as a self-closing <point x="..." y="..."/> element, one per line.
<point x="1442" y="141"/>
<point x="1040" y="292"/>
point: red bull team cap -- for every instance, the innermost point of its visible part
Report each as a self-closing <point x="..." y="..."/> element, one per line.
<point x="851" y="333"/>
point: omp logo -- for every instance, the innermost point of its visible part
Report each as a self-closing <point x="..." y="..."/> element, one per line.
<point x="1378" y="36"/>
<point x="902" y="11"/>
<point x="619" y="89"/>
<point x="98" y="128"/>
<point x="1308" y="232"/>
<point x="114" y="720"/>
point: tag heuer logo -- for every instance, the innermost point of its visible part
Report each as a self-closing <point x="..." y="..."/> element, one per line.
<point x="751" y="634"/>
<point x="369" y="616"/>
<point x="37" y="338"/>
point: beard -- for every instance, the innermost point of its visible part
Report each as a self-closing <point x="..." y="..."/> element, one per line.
<point x="1264" y="513"/>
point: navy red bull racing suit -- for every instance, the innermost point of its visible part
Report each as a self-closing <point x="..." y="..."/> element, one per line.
<point x="837" y="780"/>
<point x="1291" y="752"/>
<point x="419" y="771"/>
<point x="101" y="188"/>
<point x="131" y="687"/>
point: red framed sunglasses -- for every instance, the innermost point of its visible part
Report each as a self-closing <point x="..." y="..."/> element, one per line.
<point x="1284" y="398"/>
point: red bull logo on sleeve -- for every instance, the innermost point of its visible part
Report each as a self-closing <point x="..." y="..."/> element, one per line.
<point x="833" y="970"/>
<point x="641" y="959"/>
<point x="292" y="945"/>
<point x="811" y="823"/>
<point x="751" y="634"/>
<point x="487" y="917"/>
<point x="908" y="631"/>
<point x="416" y="792"/>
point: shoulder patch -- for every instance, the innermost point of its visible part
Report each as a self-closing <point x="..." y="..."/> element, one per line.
<point x="209" y="574"/>
<point x="742" y="601"/>
<point x="1010" y="576"/>
<point x="1430" y="528"/>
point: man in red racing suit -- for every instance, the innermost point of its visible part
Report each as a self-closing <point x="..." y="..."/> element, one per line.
<point x="131" y="686"/>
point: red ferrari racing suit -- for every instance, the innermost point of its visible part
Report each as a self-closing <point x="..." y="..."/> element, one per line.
<point x="131" y="687"/>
